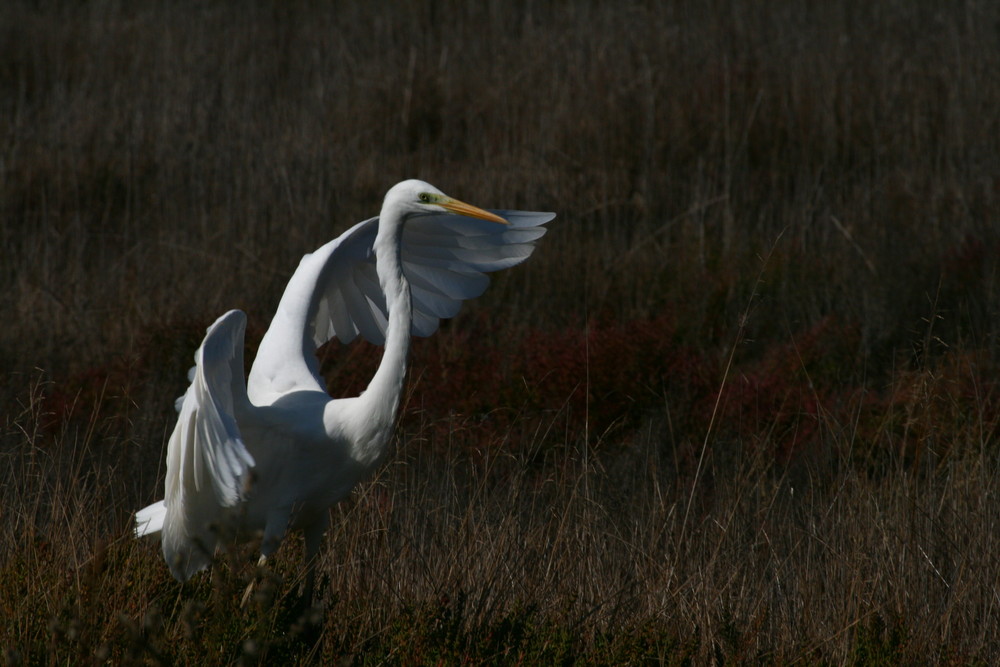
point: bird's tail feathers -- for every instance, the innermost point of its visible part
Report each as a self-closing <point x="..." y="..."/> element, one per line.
<point x="149" y="520"/>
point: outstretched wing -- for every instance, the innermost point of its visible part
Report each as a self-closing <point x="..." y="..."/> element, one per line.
<point x="335" y="291"/>
<point x="208" y="465"/>
<point x="445" y="259"/>
<point x="206" y="459"/>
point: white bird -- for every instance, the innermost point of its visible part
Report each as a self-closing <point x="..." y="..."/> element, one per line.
<point x="275" y="452"/>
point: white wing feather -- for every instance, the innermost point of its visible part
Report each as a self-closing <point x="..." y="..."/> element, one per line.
<point x="335" y="291"/>
<point x="206" y="450"/>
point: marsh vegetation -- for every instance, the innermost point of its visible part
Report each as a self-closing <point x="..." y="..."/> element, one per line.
<point x="740" y="406"/>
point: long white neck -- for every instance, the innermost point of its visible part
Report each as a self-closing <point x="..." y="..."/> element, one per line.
<point x="382" y="397"/>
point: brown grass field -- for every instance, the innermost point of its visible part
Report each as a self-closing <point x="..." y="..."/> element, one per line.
<point x="740" y="407"/>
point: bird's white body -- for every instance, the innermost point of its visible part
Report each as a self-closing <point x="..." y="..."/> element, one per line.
<point x="275" y="452"/>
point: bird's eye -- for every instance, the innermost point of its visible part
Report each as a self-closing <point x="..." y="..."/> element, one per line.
<point x="425" y="198"/>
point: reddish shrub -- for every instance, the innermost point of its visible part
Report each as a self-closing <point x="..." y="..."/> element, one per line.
<point x="781" y="397"/>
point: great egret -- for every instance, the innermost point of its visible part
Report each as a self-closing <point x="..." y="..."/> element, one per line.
<point x="275" y="452"/>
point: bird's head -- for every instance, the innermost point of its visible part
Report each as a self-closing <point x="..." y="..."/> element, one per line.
<point x="415" y="197"/>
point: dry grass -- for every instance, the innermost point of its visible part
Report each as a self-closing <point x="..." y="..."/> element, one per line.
<point x="741" y="405"/>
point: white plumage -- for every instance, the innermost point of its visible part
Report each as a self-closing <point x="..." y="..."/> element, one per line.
<point x="275" y="452"/>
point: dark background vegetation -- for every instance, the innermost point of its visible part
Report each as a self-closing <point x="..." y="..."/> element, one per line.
<point x="740" y="406"/>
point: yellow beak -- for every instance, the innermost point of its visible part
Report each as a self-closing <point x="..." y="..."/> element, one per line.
<point x="461" y="208"/>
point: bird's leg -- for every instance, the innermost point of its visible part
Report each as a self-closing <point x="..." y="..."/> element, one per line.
<point x="310" y="586"/>
<point x="253" y="583"/>
<point x="314" y="539"/>
<point x="274" y="531"/>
